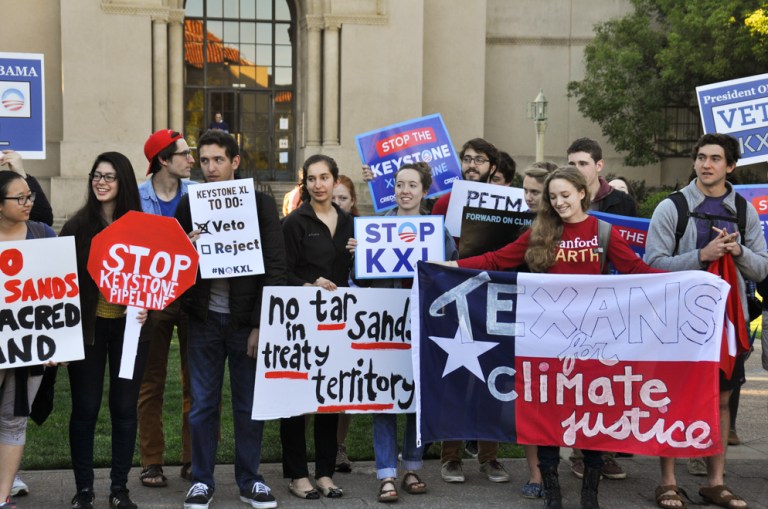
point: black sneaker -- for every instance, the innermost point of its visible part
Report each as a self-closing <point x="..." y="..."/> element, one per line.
<point x="119" y="499"/>
<point x="83" y="499"/>
<point x="259" y="496"/>
<point x="198" y="496"/>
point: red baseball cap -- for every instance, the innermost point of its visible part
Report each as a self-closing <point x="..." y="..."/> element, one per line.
<point x="159" y="141"/>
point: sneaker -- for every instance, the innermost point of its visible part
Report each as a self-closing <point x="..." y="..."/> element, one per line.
<point x="83" y="499"/>
<point x="119" y="499"/>
<point x="577" y="467"/>
<point x="733" y="439"/>
<point x="495" y="471"/>
<point x="697" y="466"/>
<point x="532" y="490"/>
<point x="611" y="469"/>
<point x="259" y="496"/>
<point x="198" y="496"/>
<point x="342" y="460"/>
<point x="451" y="471"/>
<point x="19" y="488"/>
<point x="471" y="448"/>
<point x="8" y="504"/>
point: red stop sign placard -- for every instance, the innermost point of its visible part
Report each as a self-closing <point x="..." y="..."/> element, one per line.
<point x="143" y="260"/>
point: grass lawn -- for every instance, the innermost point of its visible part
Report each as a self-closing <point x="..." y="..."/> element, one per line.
<point x="48" y="445"/>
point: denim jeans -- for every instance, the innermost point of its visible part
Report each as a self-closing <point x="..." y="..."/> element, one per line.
<point x="385" y="445"/>
<point x="210" y="344"/>
<point x="86" y="380"/>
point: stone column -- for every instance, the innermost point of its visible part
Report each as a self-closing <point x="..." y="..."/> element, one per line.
<point x="159" y="74"/>
<point x="314" y="85"/>
<point x="331" y="84"/>
<point x="176" y="71"/>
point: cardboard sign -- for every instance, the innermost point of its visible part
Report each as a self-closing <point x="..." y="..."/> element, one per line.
<point x="40" y="318"/>
<point x="230" y="239"/>
<point x="390" y="246"/>
<point x="739" y="108"/>
<point x="608" y="363"/>
<point x="342" y="351"/>
<point x="22" y="104"/>
<point x="424" y="139"/>
<point x="143" y="261"/>
<point x="467" y="193"/>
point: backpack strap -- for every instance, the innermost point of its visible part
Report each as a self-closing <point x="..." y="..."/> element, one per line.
<point x="683" y="214"/>
<point x="603" y="240"/>
<point x="741" y="216"/>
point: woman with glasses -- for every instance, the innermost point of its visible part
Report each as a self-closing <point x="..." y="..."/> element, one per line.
<point x="112" y="191"/>
<point x="18" y="384"/>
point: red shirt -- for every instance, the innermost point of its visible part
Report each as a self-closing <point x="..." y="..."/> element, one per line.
<point x="440" y="208"/>
<point x="578" y="253"/>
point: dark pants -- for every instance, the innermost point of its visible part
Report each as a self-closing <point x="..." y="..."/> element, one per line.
<point x="549" y="456"/>
<point x="293" y="439"/>
<point x="86" y="380"/>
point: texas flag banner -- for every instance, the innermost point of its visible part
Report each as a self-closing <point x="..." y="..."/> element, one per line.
<point x="611" y="363"/>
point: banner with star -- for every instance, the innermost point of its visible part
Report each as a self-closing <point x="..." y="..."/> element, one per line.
<point x="612" y="363"/>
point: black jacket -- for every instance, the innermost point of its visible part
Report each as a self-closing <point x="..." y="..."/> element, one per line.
<point x="245" y="291"/>
<point x="311" y="252"/>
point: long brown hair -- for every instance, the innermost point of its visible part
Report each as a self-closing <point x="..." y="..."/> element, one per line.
<point x="547" y="228"/>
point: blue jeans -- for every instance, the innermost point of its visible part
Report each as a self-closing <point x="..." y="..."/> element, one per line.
<point x="210" y="343"/>
<point x="385" y="445"/>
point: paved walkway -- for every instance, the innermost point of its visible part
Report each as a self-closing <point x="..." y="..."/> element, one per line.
<point x="747" y="474"/>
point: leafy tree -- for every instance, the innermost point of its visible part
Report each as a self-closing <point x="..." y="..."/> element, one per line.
<point x="653" y="59"/>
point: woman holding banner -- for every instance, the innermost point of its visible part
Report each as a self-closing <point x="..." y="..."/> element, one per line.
<point x="551" y="246"/>
<point x="316" y="235"/>
<point x="112" y="191"/>
<point x="19" y="386"/>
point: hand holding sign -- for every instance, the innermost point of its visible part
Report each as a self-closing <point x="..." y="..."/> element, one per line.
<point x="141" y="261"/>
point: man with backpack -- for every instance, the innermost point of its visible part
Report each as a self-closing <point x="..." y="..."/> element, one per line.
<point x="710" y="230"/>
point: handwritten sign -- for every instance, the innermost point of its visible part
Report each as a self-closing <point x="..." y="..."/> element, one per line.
<point x="422" y="139"/>
<point x="40" y="318"/>
<point x="230" y="239"/>
<point x="466" y="193"/>
<point x="22" y="104"/>
<point x="342" y="351"/>
<point x="609" y="363"/>
<point x="390" y="246"/>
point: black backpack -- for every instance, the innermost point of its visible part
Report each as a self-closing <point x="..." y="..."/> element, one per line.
<point x="684" y="214"/>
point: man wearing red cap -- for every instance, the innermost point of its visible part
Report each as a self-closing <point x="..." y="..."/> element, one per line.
<point x="170" y="161"/>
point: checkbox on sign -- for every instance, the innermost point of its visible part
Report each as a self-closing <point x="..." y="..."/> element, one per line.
<point x="205" y="249"/>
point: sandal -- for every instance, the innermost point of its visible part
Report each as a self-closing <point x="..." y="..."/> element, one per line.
<point x="388" y="490"/>
<point x="416" y="486"/>
<point x="152" y="477"/>
<point x="662" y="496"/>
<point x="720" y="495"/>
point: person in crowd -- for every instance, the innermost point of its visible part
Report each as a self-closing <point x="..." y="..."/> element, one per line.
<point x="316" y="236"/>
<point x="170" y="162"/>
<point x="587" y="155"/>
<point x="218" y="123"/>
<point x="224" y="319"/>
<point x="292" y="198"/>
<point x="563" y="209"/>
<point x="479" y="159"/>
<point x="412" y="183"/>
<point x="345" y="197"/>
<point x="18" y="386"/>
<point x="505" y="171"/>
<point x="112" y="191"/>
<point x="708" y="236"/>
<point x="41" y="208"/>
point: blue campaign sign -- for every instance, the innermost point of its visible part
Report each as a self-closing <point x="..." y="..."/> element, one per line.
<point x="633" y="229"/>
<point x="422" y="139"/>
<point x="22" y="104"/>
<point x="740" y="108"/>
<point x="757" y="195"/>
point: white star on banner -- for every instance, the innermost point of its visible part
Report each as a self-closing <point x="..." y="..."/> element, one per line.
<point x="463" y="353"/>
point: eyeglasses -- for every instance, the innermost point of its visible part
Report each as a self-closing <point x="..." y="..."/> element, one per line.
<point x="185" y="153"/>
<point x="108" y="177"/>
<point x="478" y="160"/>
<point x="22" y="200"/>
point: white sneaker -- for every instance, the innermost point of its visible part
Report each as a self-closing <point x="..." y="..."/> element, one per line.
<point x="19" y="488"/>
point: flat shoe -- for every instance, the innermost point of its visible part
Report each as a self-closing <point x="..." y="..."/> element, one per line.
<point x="306" y="495"/>
<point x="331" y="491"/>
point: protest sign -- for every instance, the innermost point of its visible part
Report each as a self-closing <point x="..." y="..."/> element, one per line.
<point x="22" y="104"/>
<point x="424" y="139"/>
<point x="485" y="230"/>
<point x="230" y="239"/>
<point x="466" y="193"/>
<point x="341" y="351"/>
<point x="633" y="229"/>
<point x="390" y="246"/>
<point x="143" y="261"/>
<point x="40" y="318"/>
<point x="610" y="363"/>
<point x="757" y="195"/>
<point x="740" y="108"/>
